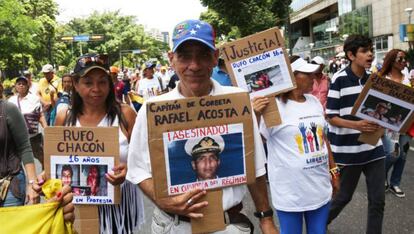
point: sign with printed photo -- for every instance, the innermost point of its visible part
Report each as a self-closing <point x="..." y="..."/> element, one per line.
<point x="385" y="110"/>
<point x="259" y="63"/>
<point x="208" y="157"/>
<point x="386" y="102"/>
<point x="202" y="142"/>
<point x="81" y="157"/>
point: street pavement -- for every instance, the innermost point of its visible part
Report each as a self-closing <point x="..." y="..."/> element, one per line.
<point x="398" y="216"/>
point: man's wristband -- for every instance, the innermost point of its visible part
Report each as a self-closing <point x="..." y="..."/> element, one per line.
<point x="262" y="214"/>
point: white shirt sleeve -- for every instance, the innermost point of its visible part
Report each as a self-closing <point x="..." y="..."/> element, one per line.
<point x="140" y="90"/>
<point x="139" y="164"/>
<point x="260" y="155"/>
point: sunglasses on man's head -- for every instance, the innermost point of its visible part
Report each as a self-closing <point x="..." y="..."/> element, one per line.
<point x="401" y="60"/>
<point x="92" y="60"/>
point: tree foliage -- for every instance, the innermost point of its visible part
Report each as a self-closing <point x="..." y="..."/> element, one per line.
<point x="121" y="33"/>
<point x="27" y="30"/>
<point x="30" y="37"/>
<point x="245" y="17"/>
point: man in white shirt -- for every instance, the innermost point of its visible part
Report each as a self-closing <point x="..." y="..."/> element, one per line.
<point x="150" y="86"/>
<point x="193" y="57"/>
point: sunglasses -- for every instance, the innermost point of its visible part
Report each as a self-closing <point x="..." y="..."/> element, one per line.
<point x="87" y="61"/>
<point x="400" y="60"/>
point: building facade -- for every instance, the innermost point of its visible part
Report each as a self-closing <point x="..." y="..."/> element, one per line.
<point x="319" y="27"/>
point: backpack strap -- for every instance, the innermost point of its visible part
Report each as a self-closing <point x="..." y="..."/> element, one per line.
<point x="4" y="127"/>
<point x="160" y="81"/>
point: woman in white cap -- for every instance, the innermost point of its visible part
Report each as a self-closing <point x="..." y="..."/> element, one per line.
<point x="302" y="173"/>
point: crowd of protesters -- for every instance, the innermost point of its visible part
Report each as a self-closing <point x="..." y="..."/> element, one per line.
<point x="316" y="122"/>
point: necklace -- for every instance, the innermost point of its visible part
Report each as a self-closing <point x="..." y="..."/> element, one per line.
<point x="360" y="84"/>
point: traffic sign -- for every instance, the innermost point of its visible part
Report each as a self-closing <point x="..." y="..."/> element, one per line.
<point x="94" y="37"/>
<point x="97" y="37"/>
<point x="81" y="38"/>
<point x="67" y="38"/>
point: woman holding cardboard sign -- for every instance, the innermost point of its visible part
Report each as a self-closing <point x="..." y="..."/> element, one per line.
<point x="302" y="172"/>
<point x="395" y="145"/>
<point x="94" y="105"/>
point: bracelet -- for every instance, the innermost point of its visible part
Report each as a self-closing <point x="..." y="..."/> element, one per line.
<point x="334" y="172"/>
<point x="31" y="182"/>
<point x="262" y="214"/>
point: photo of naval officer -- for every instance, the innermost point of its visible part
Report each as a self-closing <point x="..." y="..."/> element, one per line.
<point x="205" y="156"/>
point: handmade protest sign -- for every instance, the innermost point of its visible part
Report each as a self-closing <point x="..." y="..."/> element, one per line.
<point x="259" y="64"/>
<point x="386" y="102"/>
<point x="81" y="157"/>
<point x="185" y="134"/>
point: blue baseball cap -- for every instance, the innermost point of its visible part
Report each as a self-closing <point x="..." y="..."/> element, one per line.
<point x="193" y="30"/>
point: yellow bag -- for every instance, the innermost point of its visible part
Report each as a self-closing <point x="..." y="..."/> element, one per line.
<point x="135" y="98"/>
<point x="41" y="218"/>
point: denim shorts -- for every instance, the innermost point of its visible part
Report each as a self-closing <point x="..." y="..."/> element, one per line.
<point x="11" y="199"/>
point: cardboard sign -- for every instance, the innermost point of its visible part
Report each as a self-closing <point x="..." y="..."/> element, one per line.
<point x="181" y="132"/>
<point x="213" y="219"/>
<point x="386" y="102"/>
<point x="81" y="157"/>
<point x="260" y="65"/>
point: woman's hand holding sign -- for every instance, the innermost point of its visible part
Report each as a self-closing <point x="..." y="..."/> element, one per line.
<point x="259" y="104"/>
<point x="118" y="175"/>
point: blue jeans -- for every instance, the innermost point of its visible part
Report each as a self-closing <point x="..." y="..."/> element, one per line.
<point x="398" y="163"/>
<point x="12" y="200"/>
<point x="390" y="158"/>
<point x="292" y="222"/>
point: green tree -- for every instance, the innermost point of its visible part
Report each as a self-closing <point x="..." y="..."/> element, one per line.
<point x="43" y="12"/>
<point x="26" y="34"/>
<point x="249" y="16"/>
<point x="17" y="30"/>
<point x="121" y="33"/>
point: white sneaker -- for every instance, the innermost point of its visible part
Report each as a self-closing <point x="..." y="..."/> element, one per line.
<point x="397" y="191"/>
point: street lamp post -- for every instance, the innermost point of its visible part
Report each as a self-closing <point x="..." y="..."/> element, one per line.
<point x="311" y="45"/>
<point x="409" y="11"/>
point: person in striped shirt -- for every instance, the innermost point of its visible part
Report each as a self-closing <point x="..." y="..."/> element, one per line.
<point x="352" y="156"/>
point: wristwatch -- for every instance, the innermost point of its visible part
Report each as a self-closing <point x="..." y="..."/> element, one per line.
<point x="262" y="214"/>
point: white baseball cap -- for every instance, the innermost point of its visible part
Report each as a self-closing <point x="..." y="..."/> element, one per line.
<point x="204" y="144"/>
<point x="318" y="60"/>
<point x="302" y="66"/>
<point x="47" y="68"/>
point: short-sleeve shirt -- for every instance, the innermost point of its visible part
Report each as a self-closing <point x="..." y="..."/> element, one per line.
<point x="149" y="88"/>
<point x="342" y="95"/>
<point x="221" y="77"/>
<point x="298" y="157"/>
<point x="139" y="163"/>
<point x="119" y="90"/>
<point x="320" y="89"/>
<point x="45" y="87"/>
<point x="29" y="105"/>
